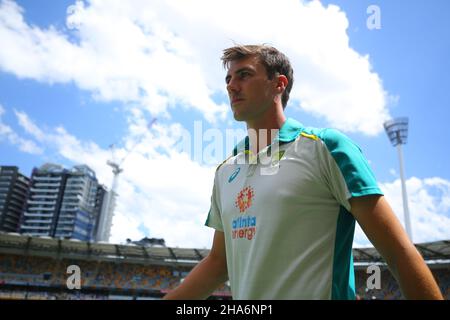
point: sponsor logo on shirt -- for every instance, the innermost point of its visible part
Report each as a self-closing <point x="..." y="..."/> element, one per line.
<point x="234" y="175"/>
<point x="243" y="227"/>
<point x="244" y="199"/>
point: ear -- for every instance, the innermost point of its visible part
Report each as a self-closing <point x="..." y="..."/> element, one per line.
<point x="282" y="83"/>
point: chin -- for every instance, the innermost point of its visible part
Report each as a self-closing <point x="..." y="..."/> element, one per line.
<point x="238" y="117"/>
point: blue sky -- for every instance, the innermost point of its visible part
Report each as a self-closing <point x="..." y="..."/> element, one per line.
<point x="409" y="53"/>
<point x="74" y="82"/>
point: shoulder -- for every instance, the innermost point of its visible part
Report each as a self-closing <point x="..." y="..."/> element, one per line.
<point x="333" y="139"/>
<point x="228" y="160"/>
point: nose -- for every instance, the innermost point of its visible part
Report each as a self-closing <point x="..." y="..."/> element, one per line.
<point x="232" y="86"/>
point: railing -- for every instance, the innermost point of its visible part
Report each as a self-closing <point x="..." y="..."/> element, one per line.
<point x="35" y="228"/>
<point x="43" y="215"/>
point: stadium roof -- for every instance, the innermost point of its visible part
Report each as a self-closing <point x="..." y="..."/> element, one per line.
<point x="14" y="243"/>
<point x="430" y="251"/>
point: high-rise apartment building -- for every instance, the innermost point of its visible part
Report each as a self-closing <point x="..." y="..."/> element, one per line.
<point x="13" y="194"/>
<point x="62" y="203"/>
<point x="78" y="208"/>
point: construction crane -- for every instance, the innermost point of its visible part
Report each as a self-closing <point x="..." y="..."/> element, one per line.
<point x="107" y="213"/>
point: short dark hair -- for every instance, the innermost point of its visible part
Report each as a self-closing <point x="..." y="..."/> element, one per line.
<point x="273" y="60"/>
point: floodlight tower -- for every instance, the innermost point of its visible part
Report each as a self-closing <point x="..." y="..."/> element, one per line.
<point x="397" y="131"/>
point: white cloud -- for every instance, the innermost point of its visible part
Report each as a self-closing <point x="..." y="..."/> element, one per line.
<point x="163" y="54"/>
<point x="29" y="126"/>
<point x="67" y="145"/>
<point x="117" y="57"/>
<point x="393" y="172"/>
<point x="170" y="197"/>
<point x="167" y="192"/>
<point x="125" y="225"/>
<point x="429" y="206"/>
<point x="25" y="145"/>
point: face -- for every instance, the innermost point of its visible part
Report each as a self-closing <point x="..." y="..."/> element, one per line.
<point x="250" y="91"/>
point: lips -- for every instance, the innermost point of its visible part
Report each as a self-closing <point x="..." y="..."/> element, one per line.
<point x="234" y="100"/>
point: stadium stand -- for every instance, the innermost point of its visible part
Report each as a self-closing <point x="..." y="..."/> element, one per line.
<point x="36" y="268"/>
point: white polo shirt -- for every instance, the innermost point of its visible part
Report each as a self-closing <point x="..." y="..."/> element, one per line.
<point x="288" y="229"/>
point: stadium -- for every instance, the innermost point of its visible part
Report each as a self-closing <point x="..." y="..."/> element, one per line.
<point x="36" y="268"/>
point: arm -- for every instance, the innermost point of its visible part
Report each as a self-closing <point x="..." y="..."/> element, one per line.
<point x="206" y="276"/>
<point x="383" y="229"/>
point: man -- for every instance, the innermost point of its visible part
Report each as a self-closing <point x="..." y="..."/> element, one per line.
<point x="284" y="226"/>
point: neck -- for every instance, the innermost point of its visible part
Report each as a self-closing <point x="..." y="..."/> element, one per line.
<point x="263" y="130"/>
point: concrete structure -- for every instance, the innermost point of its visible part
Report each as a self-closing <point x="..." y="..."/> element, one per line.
<point x="14" y="188"/>
<point x="62" y="203"/>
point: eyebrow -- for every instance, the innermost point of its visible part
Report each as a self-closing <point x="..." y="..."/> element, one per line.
<point x="227" y="78"/>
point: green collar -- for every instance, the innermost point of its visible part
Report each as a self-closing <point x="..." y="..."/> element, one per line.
<point x="289" y="132"/>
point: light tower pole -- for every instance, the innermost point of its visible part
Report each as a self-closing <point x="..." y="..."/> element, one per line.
<point x="397" y="131"/>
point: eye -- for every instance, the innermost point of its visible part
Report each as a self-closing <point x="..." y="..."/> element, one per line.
<point x="244" y="74"/>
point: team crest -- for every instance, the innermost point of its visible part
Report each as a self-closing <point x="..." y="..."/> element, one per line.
<point x="244" y="199"/>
